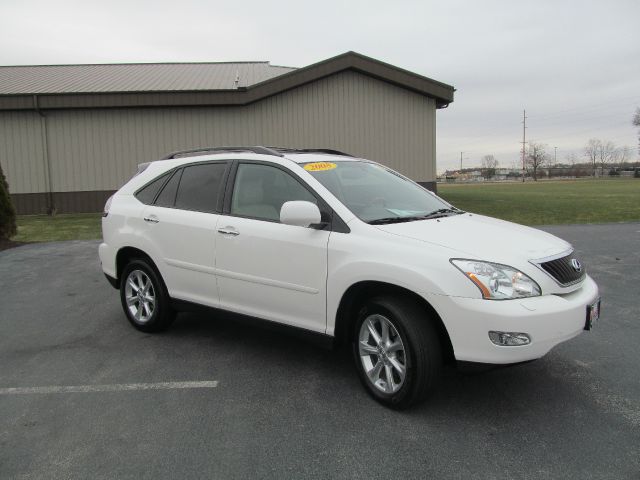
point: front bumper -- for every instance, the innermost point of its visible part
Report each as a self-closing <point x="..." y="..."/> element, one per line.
<point x="548" y="320"/>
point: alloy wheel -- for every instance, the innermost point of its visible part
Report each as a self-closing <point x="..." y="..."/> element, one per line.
<point x="140" y="296"/>
<point x="382" y="353"/>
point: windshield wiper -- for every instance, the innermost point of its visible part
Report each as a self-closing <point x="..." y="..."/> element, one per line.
<point x="436" y="213"/>
<point x="380" y="221"/>
<point x="442" y="211"/>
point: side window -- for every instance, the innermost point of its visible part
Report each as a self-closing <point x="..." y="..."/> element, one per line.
<point x="147" y="193"/>
<point x="200" y="187"/>
<point x="167" y="196"/>
<point x="260" y="190"/>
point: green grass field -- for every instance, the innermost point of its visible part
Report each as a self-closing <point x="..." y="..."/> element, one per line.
<point x="532" y="203"/>
<point x="550" y="202"/>
<point x="43" y="228"/>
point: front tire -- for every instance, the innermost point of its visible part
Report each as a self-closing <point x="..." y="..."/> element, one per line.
<point x="397" y="351"/>
<point x="144" y="297"/>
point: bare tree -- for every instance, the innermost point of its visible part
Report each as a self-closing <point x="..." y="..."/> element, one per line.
<point x="624" y="155"/>
<point x="536" y="158"/>
<point x="607" y="153"/>
<point x="489" y="164"/>
<point x="572" y="158"/>
<point x="591" y="152"/>
<point x="636" y="123"/>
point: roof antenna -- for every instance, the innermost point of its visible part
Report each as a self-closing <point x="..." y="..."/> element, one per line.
<point x="237" y="78"/>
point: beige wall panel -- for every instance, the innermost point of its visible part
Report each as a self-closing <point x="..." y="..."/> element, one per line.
<point x="99" y="149"/>
<point x="21" y="153"/>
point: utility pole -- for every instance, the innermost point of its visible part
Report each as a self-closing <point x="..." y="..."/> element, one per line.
<point x="524" y="140"/>
<point x="461" y="161"/>
<point x="555" y="155"/>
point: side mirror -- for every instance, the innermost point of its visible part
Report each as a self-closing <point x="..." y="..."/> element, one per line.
<point x="299" y="213"/>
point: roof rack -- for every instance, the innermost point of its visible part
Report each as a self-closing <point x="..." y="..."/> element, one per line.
<point x="205" y="150"/>
<point x="311" y="150"/>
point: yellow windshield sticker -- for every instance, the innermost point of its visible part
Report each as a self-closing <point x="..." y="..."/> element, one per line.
<point x="319" y="166"/>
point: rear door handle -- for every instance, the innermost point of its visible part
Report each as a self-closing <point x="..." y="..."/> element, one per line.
<point x="151" y="219"/>
<point x="229" y="231"/>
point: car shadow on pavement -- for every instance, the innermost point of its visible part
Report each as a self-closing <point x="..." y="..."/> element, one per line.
<point x="502" y="393"/>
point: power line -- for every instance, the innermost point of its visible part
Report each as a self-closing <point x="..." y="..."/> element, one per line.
<point x="582" y="118"/>
<point x="593" y="106"/>
<point x="585" y="131"/>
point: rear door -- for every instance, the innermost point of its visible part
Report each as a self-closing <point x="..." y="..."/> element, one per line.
<point x="182" y="225"/>
<point x="264" y="268"/>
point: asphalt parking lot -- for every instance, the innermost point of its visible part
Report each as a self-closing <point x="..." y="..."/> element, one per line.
<point x="276" y="407"/>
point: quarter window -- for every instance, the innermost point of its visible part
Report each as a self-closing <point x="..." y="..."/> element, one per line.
<point x="167" y="197"/>
<point x="149" y="192"/>
<point x="260" y="191"/>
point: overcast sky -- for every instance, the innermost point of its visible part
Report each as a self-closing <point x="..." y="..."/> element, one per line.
<point x="574" y="65"/>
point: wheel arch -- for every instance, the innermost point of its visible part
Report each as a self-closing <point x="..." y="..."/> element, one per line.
<point x="126" y="254"/>
<point x="355" y="296"/>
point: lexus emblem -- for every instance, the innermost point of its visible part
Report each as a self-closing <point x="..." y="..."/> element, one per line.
<point x="577" y="266"/>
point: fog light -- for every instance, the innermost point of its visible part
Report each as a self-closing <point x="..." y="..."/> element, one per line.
<point x="509" y="339"/>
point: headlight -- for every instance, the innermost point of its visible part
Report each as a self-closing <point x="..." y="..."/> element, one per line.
<point x="497" y="282"/>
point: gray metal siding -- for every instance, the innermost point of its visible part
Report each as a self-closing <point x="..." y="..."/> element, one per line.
<point x="21" y="153"/>
<point x="98" y="149"/>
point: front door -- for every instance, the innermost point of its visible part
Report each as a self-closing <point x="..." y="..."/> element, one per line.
<point x="264" y="268"/>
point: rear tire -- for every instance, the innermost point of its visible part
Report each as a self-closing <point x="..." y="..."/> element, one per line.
<point x="144" y="297"/>
<point x="397" y="351"/>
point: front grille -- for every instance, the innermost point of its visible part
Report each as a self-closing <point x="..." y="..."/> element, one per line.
<point x="563" y="271"/>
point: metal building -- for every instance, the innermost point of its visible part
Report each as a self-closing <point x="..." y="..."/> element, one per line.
<point x="72" y="134"/>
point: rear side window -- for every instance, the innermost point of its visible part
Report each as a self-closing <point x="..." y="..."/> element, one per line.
<point x="167" y="197"/>
<point x="148" y="193"/>
<point x="200" y="187"/>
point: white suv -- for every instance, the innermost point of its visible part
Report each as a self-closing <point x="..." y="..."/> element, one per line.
<point x="347" y="249"/>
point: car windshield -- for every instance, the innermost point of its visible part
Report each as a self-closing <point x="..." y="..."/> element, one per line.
<point x="376" y="194"/>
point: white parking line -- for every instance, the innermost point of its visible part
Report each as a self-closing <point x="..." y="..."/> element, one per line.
<point x="118" y="387"/>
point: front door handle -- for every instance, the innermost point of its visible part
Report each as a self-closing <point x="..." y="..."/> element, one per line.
<point x="151" y="219"/>
<point x="229" y="231"/>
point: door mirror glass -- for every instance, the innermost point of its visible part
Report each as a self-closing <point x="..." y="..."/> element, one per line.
<point x="299" y="213"/>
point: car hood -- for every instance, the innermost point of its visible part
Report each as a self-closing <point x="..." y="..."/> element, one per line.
<point x="483" y="238"/>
